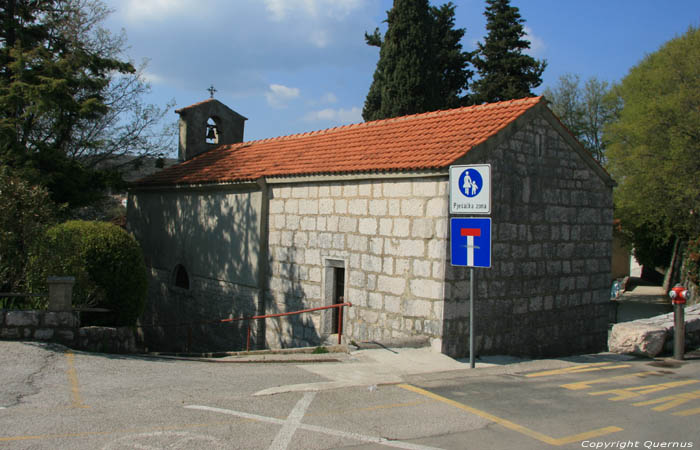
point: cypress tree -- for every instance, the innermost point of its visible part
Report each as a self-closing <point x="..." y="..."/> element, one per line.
<point x="421" y="64"/>
<point x="505" y="72"/>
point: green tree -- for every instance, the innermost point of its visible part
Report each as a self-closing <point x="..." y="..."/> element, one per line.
<point x="421" y="64"/>
<point x="505" y="72"/>
<point x="26" y="212"/>
<point x="654" y="145"/>
<point x="584" y="110"/>
<point x="69" y="104"/>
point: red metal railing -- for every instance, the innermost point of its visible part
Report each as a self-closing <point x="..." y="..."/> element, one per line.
<point x="339" y="306"/>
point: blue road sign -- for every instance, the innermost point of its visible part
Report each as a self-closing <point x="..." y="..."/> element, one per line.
<point x="470" y="239"/>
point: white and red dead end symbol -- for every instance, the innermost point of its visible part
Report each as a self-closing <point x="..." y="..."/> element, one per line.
<point x="470" y="233"/>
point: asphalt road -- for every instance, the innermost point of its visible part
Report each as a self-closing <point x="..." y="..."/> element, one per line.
<point x="51" y="398"/>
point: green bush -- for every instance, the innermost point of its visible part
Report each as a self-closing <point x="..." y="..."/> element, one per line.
<point x="106" y="262"/>
<point x="27" y="211"/>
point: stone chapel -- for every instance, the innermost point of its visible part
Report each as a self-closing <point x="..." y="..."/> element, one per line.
<point x="359" y="213"/>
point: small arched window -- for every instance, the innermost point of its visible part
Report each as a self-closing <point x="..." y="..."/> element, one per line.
<point x="180" y="277"/>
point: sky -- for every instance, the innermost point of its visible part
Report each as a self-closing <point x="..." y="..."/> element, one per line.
<point x="292" y="66"/>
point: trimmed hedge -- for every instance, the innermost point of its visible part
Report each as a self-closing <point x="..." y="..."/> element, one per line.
<point x="107" y="264"/>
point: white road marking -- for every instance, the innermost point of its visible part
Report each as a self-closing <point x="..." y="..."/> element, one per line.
<point x="284" y="437"/>
<point x="317" y="429"/>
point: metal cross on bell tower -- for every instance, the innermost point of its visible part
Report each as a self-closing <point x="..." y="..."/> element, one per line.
<point x="211" y="91"/>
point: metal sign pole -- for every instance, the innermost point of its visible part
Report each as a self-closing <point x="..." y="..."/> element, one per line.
<point x="471" y="317"/>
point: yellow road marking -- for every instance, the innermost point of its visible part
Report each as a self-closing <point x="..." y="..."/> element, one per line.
<point x="624" y="394"/>
<point x="687" y="412"/>
<point x="578" y="369"/>
<point x="670" y="401"/>
<point x="512" y="425"/>
<point x="76" y="400"/>
<point x="586" y="384"/>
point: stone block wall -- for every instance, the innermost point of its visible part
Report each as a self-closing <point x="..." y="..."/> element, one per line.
<point x="548" y="290"/>
<point x="64" y="327"/>
<point x="186" y="320"/>
<point x="390" y="235"/>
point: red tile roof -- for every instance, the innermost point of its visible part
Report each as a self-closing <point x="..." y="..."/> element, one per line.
<point x="424" y="141"/>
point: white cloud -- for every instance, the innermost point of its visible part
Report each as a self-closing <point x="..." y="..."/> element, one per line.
<point x="282" y="10"/>
<point x="329" y="97"/>
<point x="278" y="95"/>
<point x="316" y="20"/>
<point x="337" y="116"/>
<point x="157" y="10"/>
<point x="537" y="45"/>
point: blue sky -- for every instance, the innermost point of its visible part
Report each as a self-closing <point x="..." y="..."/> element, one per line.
<point x="292" y="66"/>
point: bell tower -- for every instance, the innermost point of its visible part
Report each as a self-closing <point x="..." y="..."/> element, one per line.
<point x="206" y="125"/>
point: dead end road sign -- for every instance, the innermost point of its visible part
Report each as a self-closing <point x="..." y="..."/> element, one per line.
<point x="470" y="239"/>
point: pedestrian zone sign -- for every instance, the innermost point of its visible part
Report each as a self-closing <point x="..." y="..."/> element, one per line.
<point x="470" y="189"/>
<point x="470" y="239"/>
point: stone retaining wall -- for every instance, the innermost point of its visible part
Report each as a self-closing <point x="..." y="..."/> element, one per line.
<point x="64" y="327"/>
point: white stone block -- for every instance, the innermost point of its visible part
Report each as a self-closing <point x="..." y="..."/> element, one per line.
<point x="371" y="263"/>
<point x="394" y="208"/>
<point x="424" y="188"/>
<point x="377" y="189"/>
<point x="314" y="272"/>
<point x="437" y="249"/>
<point x="376" y="246"/>
<point x="417" y="308"/>
<point x="412" y="207"/>
<point x="347" y="225"/>
<point x="336" y="191"/>
<point x="421" y="268"/>
<point x="436" y="207"/>
<point x="321" y="224"/>
<point x="401" y="227"/>
<point x="375" y="300"/>
<point x="308" y="223"/>
<point x="427" y="289"/>
<point x="402" y="266"/>
<point x="324" y="191"/>
<point x="358" y="297"/>
<point x="292" y="221"/>
<point x="442" y="228"/>
<point x="350" y="190"/>
<point x="332" y="223"/>
<point x="300" y="192"/>
<point x="368" y="226"/>
<point x="308" y="207"/>
<point x="404" y="247"/>
<point x="388" y="265"/>
<point x="341" y="206"/>
<point x="385" y="226"/>
<point x="423" y="228"/>
<point x="357" y="279"/>
<point x="364" y="189"/>
<point x="278" y="221"/>
<point x="391" y="285"/>
<point x="325" y="206"/>
<point x="276" y="206"/>
<point x="392" y="304"/>
<point x="397" y="189"/>
<point x="378" y="207"/>
<point x="291" y="206"/>
<point x="338" y="241"/>
<point x="358" y="243"/>
<point x="358" y="206"/>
